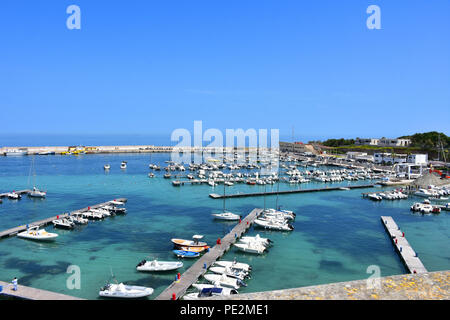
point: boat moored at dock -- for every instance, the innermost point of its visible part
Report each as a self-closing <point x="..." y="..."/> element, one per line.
<point x="34" y="233"/>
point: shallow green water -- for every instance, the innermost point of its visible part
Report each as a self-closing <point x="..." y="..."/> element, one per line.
<point x="337" y="235"/>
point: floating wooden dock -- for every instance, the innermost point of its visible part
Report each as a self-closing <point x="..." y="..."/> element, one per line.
<point x="29" y="293"/>
<point x="198" y="269"/>
<point x="257" y="194"/>
<point x="44" y="222"/>
<point x="404" y="249"/>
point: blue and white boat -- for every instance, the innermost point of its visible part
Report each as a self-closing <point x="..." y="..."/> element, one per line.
<point x="186" y="254"/>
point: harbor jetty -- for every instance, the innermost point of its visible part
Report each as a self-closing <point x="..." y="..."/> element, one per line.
<point x="190" y="276"/>
<point x="28" y="293"/>
<point x="41" y="223"/>
<point x="257" y="194"/>
<point x="402" y="246"/>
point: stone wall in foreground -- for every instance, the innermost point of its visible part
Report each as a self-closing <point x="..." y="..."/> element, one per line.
<point x="425" y="286"/>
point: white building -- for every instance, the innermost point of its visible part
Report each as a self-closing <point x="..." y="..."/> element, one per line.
<point x="418" y="159"/>
<point x="389" y="158"/>
<point x="383" y="142"/>
<point x="366" y="142"/>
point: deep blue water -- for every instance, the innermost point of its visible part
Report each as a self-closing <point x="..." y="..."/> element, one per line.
<point x="337" y="235"/>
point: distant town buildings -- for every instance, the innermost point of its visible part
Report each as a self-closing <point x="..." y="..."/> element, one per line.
<point x="383" y="142"/>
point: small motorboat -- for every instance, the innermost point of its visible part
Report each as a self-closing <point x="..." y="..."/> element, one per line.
<point x="121" y="290"/>
<point x="374" y="196"/>
<point x="186" y="254"/>
<point x="190" y="243"/>
<point x="226" y="216"/>
<point x="34" y="233"/>
<point x="63" y="223"/>
<point x="209" y="292"/>
<point x="107" y="167"/>
<point x="251" y="247"/>
<point x="264" y="241"/>
<point x="123" y="165"/>
<point x="35" y="193"/>
<point x="151" y="175"/>
<point x="273" y="225"/>
<point x="77" y="218"/>
<point x="194" y="249"/>
<point x="233" y="273"/>
<point x="225" y="281"/>
<point x="14" y="196"/>
<point x="234" y="264"/>
<point x="226" y="291"/>
<point x="155" y="265"/>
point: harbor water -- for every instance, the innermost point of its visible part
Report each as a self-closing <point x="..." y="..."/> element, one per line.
<point x="337" y="236"/>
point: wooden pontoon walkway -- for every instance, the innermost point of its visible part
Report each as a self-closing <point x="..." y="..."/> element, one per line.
<point x="256" y="194"/>
<point x="29" y="293"/>
<point x="404" y="249"/>
<point x="44" y="222"/>
<point x="191" y="275"/>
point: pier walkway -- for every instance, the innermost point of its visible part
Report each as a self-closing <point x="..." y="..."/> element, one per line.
<point x="257" y="194"/>
<point x="404" y="249"/>
<point x="44" y="222"/>
<point x="29" y="293"/>
<point x="191" y="275"/>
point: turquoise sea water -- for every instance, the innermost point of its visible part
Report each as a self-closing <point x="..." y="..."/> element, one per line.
<point x="337" y="235"/>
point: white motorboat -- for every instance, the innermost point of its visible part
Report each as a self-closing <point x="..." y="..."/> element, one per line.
<point x="273" y="225"/>
<point x="201" y="286"/>
<point x="234" y="264"/>
<point x="14" y="196"/>
<point x="151" y="175"/>
<point x="123" y="165"/>
<point x="34" y="233"/>
<point x="102" y="211"/>
<point x="63" y="223"/>
<point x="264" y="241"/>
<point x="77" y="218"/>
<point x="251" y="247"/>
<point x="424" y="193"/>
<point x="232" y="273"/>
<point x="107" y="167"/>
<point x="121" y="290"/>
<point x="374" y="196"/>
<point x="209" y="292"/>
<point x="223" y="280"/>
<point x="155" y="265"/>
<point x="92" y="215"/>
<point x="35" y="193"/>
<point x="16" y="153"/>
<point x="226" y="216"/>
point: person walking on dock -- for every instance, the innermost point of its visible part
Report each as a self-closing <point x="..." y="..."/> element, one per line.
<point x="14" y="283"/>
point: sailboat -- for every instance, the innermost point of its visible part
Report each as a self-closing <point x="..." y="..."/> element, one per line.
<point x="35" y="193"/>
<point x="229" y="216"/>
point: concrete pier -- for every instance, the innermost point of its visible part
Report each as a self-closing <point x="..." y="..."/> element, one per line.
<point x="29" y="293"/>
<point x="44" y="222"/>
<point x="404" y="249"/>
<point x="257" y="194"/>
<point x="191" y="275"/>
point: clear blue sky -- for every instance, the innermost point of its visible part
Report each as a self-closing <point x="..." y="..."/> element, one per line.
<point x="154" y="66"/>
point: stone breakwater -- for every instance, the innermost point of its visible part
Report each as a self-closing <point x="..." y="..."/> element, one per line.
<point x="425" y="286"/>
